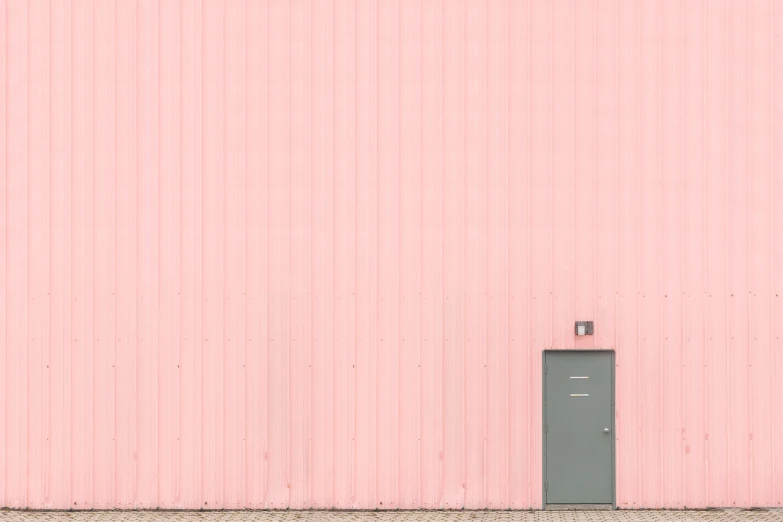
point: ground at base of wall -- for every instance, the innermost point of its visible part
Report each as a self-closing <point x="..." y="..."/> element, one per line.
<point x="712" y="515"/>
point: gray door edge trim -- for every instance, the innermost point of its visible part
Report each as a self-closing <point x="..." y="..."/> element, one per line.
<point x="544" y="420"/>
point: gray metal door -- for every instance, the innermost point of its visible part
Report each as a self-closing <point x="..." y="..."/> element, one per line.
<point x="578" y="427"/>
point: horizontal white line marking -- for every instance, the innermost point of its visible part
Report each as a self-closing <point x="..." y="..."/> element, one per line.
<point x="580" y="395"/>
<point x="574" y="377"/>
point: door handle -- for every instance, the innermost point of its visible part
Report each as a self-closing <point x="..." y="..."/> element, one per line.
<point x="606" y="430"/>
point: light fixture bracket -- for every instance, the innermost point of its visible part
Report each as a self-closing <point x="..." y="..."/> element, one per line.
<point x="583" y="328"/>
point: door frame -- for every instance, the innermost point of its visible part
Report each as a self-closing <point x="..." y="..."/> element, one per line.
<point x="544" y="420"/>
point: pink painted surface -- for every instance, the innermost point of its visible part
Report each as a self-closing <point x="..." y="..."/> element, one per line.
<point x="307" y="254"/>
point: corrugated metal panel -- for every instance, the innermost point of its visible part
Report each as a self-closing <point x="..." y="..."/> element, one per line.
<point x="307" y="254"/>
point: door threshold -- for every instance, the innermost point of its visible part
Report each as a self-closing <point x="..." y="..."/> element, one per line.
<point x="578" y="507"/>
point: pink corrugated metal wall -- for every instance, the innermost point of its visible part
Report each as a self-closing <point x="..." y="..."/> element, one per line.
<point x="308" y="253"/>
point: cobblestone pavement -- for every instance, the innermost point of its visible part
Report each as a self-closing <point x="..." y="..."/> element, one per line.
<point x="728" y="515"/>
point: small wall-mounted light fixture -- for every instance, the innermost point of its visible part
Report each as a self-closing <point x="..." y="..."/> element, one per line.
<point x="584" y="328"/>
